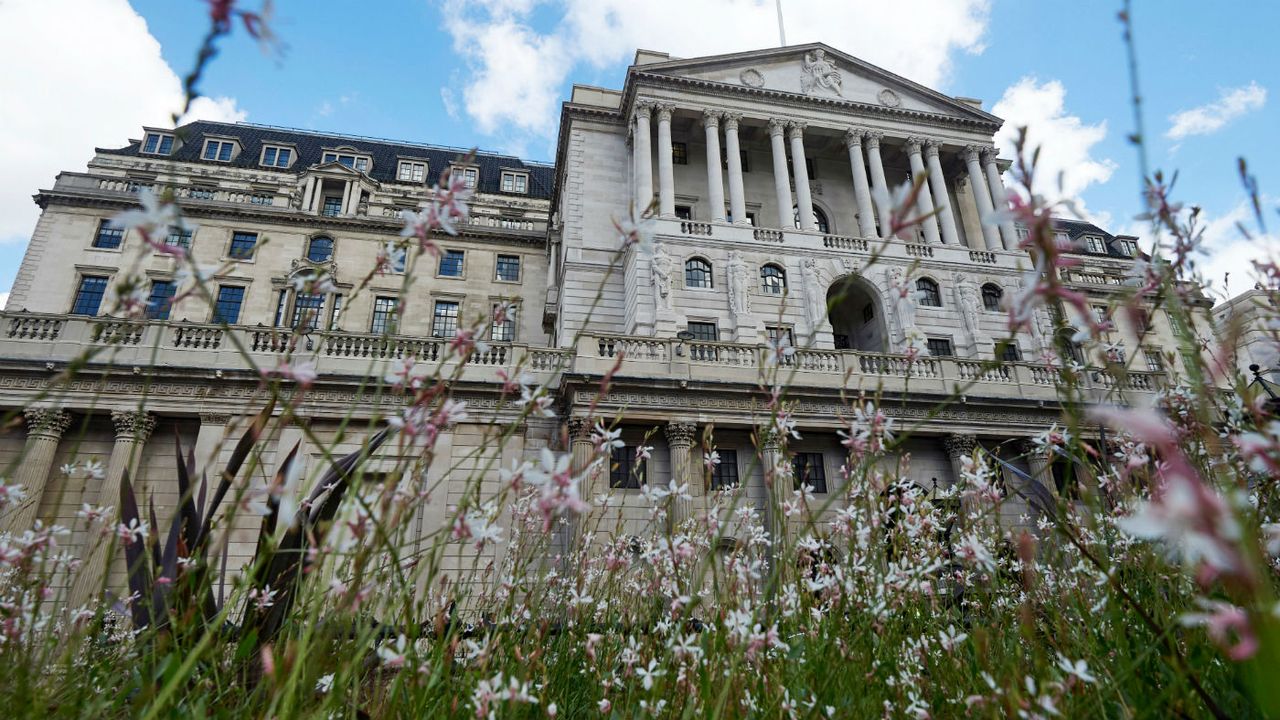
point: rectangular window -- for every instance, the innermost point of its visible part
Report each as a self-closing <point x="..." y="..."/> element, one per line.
<point x="504" y="331"/>
<point x="335" y="311"/>
<point x="679" y="153"/>
<point x="275" y="156"/>
<point x="705" y="331"/>
<point x="451" y="263"/>
<point x="1011" y="353"/>
<point x="242" y="245"/>
<point x="808" y="469"/>
<point x="158" y="144"/>
<point x="1155" y="363"/>
<point x="684" y="212"/>
<point x="444" y="322"/>
<point x="109" y="236"/>
<point x="939" y="347"/>
<point x="384" y="315"/>
<point x="409" y="171"/>
<point x="1095" y="244"/>
<point x="219" y="150"/>
<point x="356" y="162"/>
<point x="1128" y="247"/>
<point x="515" y="182"/>
<point x="161" y="299"/>
<point x="725" y="475"/>
<point x="471" y="178"/>
<point x="1100" y="313"/>
<point x="306" y="311"/>
<point x="509" y="268"/>
<point x="624" y="471"/>
<point x="774" y="333"/>
<point x="332" y="206"/>
<point x="282" y="303"/>
<point x="179" y="237"/>
<point x="89" y="295"/>
<point x="227" y="307"/>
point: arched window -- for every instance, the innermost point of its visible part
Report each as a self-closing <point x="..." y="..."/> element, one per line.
<point x="819" y="219"/>
<point x="929" y="294"/>
<point x="774" y="279"/>
<point x="991" y="296"/>
<point x="697" y="273"/>
<point x="1068" y="347"/>
<point x="320" y="249"/>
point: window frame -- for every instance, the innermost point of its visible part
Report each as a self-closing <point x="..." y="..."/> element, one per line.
<point x="1095" y="245"/>
<point x="160" y="143"/>
<point x="728" y="461"/>
<point x="333" y="246"/>
<point x="314" y="301"/>
<point x="679" y="153"/>
<point x="150" y="312"/>
<point x="708" y="271"/>
<point x="81" y="290"/>
<point x="992" y="297"/>
<point x="387" y="318"/>
<point x="773" y="332"/>
<point x="1155" y="361"/>
<point x="932" y="291"/>
<point x="779" y="287"/>
<point x="497" y="268"/>
<point x="802" y="460"/>
<point x="275" y="161"/>
<point x="514" y="176"/>
<point x="107" y="228"/>
<point x="446" y="255"/>
<point x="185" y="237"/>
<point x="947" y="346"/>
<point x="231" y="246"/>
<point x="412" y="164"/>
<point x="436" y="318"/>
<point x="509" y="328"/>
<point x="470" y="175"/>
<point x="216" y="316"/>
<point x="1009" y="352"/>
<point x="821" y="221"/>
<point x="702" y="334"/>
<point x="328" y="156"/>
<point x="623" y="474"/>
<point x="222" y="144"/>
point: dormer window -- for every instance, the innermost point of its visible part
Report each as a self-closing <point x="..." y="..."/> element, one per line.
<point x="514" y="182"/>
<point x="157" y="144"/>
<point x="355" y="162"/>
<point x="1095" y="245"/>
<point x="411" y="171"/>
<point x="276" y="156"/>
<point x="470" y="176"/>
<point x="219" y="150"/>
<point x="1128" y="247"/>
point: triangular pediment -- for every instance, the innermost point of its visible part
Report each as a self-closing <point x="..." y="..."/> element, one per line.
<point x="821" y="72"/>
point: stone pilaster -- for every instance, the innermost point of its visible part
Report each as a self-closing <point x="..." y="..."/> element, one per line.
<point x="642" y="156"/>
<point x="680" y="436"/>
<point x="45" y="427"/>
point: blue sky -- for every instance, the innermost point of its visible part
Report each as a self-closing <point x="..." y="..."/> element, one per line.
<point x="491" y="73"/>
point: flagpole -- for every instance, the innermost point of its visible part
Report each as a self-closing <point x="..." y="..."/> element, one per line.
<point x="782" y="32"/>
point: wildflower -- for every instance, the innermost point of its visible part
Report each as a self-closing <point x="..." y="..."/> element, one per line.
<point x="643" y="452"/>
<point x="465" y="340"/>
<point x="10" y="494"/>
<point x="68" y="469"/>
<point x="303" y="373"/>
<point x="778" y="351"/>
<point x="312" y="281"/>
<point x="558" y="488"/>
<point x="132" y="532"/>
<point x="711" y="460"/>
<point x="392" y="654"/>
<point x="1077" y="669"/>
<point x="1227" y="625"/>
<point x="92" y="514"/>
<point x="153" y="220"/>
<point x="636" y="231"/>
<point x="606" y="440"/>
<point x="325" y="683"/>
<point x="649" y="674"/>
<point x="263" y="598"/>
<point x="949" y="638"/>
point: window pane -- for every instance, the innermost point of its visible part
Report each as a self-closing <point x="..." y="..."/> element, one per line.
<point x="89" y="295"/>
<point x="332" y="206"/>
<point x="179" y="237"/>
<point x="504" y="331"/>
<point x="224" y="153"/>
<point x="227" y="307"/>
<point x="161" y="299"/>
<point x="509" y="267"/>
<point x="269" y="156"/>
<point x="725" y="475"/>
<point x="808" y="469"/>
<point x="451" y="263"/>
<point x="320" y="249"/>
<point x="384" y="315"/>
<point x="282" y="160"/>
<point x="444" y="324"/>
<point x="153" y="142"/>
<point x="939" y="347"/>
<point x="109" y="237"/>
<point x="705" y="331"/>
<point x="242" y="245"/>
<point x="306" y="310"/>
<point x="775" y="280"/>
<point x="210" y="150"/>
<point x="362" y="164"/>
<point x="929" y="294"/>
<point x="697" y="273"/>
<point x="166" y="144"/>
<point x="991" y="295"/>
<point x="624" y="472"/>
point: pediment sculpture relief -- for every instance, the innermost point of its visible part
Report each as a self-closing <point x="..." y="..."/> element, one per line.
<point x="818" y="74"/>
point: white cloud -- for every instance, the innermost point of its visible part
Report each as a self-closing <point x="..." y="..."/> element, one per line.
<point x="1067" y="166"/>
<point x="1229" y="251"/>
<point x="65" y="92"/>
<point x="518" y="73"/>
<point x="1211" y="117"/>
<point x="4" y="300"/>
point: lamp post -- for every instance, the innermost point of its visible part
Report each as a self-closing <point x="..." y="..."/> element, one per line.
<point x="1273" y="401"/>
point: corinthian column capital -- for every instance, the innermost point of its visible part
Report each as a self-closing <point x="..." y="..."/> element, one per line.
<point x="972" y="152"/>
<point x="711" y="118"/>
<point x="49" y="422"/>
<point x="680" y="434"/>
<point x="853" y="137"/>
<point x="133" y="424"/>
<point x="913" y="144"/>
<point x="664" y="111"/>
<point x="988" y="153"/>
<point x="642" y="107"/>
<point x="959" y="444"/>
<point x="730" y="120"/>
<point x="796" y="128"/>
<point x="872" y="138"/>
<point x="777" y="126"/>
<point x="579" y="429"/>
<point x="931" y="148"/>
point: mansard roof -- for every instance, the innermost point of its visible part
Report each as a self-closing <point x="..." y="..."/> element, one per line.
<point x="781" y="72"/>
<point x="310" y="147"/>
<point x="1077" y="229"/>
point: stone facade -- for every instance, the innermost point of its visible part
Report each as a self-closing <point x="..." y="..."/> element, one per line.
<point x="767" y="172"/>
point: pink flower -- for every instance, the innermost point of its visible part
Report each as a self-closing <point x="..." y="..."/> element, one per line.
<point x="1228" y="626"/>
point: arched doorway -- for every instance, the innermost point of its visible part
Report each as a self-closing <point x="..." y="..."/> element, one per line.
<point x="857" y="317"/>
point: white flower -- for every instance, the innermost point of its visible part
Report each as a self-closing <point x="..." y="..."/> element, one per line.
<point x="392" y="653"/>
<point x="779" y="351"/>
<point x="154" y="218"/>
<point x="647" y="675"/>
<point x="1078" y="668"/>
<point x="325" y="683"/>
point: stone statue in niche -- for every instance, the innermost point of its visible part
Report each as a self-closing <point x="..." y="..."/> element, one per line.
<point x="815" y="306"/>
<point x="660" y="272"/>
<point x="967" y="304"/>
<point x="819" y="73"/>
<point x="902" y="300"/>
<point x="739" y="284"/>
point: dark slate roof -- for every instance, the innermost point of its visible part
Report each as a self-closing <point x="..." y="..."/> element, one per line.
<point x="310" y="146"/>
<point x="1076" y="229"/>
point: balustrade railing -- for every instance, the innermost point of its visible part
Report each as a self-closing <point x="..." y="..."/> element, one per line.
<point x="844" y="242"/>
<point x="693" y="227"/>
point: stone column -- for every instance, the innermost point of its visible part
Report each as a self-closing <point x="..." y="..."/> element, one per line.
<point x="582" y="458"/>
<point x="958" y="446"/>
<point x="879" y="186"/>
<point x="309" y="196"/>
<point x="642" y="157"/>
<point x="44" y="429"/>
<point x="213" y="429"/>
<point x="680" y="437"/>
<point x="861" y="190"/>
<point x="924" y="204"/>
<point x="132" y="430"/>
<point x="666" y="173"/>
<point x="715" y="178"/>
<point x="733" y="155"/>
<point x="1008" y="233"/>
<point x="1041" y="468"/>
<point x="778" y="480"/>
<point x="941" y="200"/>
<point x="346" y="196"/>
<point x="804" y="200"/>
<point x="780" y="184"/>
<point x="981" y="197"/>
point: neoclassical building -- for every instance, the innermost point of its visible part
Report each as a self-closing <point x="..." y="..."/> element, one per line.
<point x="762" y="169"/>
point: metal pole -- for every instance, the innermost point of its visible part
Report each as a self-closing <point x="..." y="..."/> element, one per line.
<point x="782" y="32"/>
